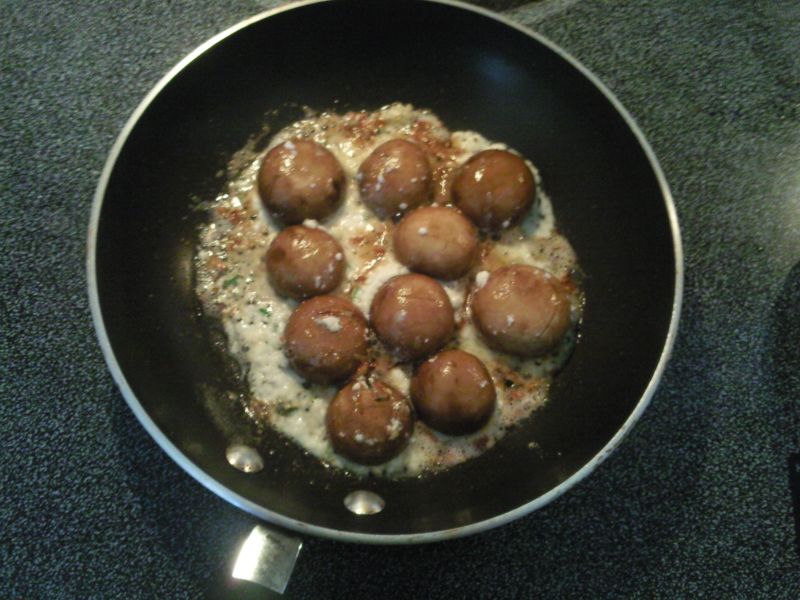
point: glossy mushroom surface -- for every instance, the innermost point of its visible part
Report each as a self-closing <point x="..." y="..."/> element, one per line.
<point x="369" y="421"/>
<point x="304" y="262"/>
<point x="436" y="240"/>
<point x="325" y="339"/>
<point x="395" y="177"/>
<point x="300" y="179"/>
<point x="453" y="392"/>
<point x="494" y="188"/>
<point x="412" y="315"/>
<point x="522" y="310"/>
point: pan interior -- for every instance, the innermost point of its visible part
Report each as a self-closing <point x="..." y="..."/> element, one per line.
<point x="475" y="73"/>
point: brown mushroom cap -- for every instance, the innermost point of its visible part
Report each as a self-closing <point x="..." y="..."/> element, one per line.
<point x="304" y="262"/>
<point x="494" y="189"/>
<point x="412" y="315"/>
<point x="369" y="422"/>
<point x="325" y="339"/>
<point x="395" y="177"/>
<point x="300" y="179"/>
<point x="436" y="240"/>
<point x="453" y="392"/>
<point x="522" y="310"/>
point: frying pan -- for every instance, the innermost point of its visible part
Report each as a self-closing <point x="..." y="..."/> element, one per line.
<point x="476" y="71"/>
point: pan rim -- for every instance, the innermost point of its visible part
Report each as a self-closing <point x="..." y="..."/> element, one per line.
<point x="302" y="527"/>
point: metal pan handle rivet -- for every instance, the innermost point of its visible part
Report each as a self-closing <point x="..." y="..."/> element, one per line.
<point x="244" y="458"/>
<point x="364" y="502"/>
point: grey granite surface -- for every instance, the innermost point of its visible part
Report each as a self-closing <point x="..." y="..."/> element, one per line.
<point x="695" y="502"/>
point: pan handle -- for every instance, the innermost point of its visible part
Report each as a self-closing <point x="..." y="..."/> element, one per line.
<point x="267" y="558"/>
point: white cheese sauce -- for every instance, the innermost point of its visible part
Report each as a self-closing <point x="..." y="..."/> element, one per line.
<point x="233" y="287"/>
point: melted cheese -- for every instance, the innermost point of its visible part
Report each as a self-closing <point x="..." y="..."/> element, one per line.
<point x="233" y="287"/>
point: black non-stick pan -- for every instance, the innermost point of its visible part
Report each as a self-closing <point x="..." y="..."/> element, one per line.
<point x="476" y="71"/>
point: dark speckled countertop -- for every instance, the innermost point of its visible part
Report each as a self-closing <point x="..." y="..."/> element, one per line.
<point x="696" y="501"/>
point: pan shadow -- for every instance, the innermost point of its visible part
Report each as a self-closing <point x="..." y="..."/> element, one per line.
<point x="781" y="363"/>
<point x="623" y="514"/>
<point x="499" y="5"/>
<point x="190" y="524"/>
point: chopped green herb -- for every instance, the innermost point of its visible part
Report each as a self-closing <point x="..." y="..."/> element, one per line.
<point x="284" y="409"/>
<point x="267" y="312"/>
<point x="229" y="282"/>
